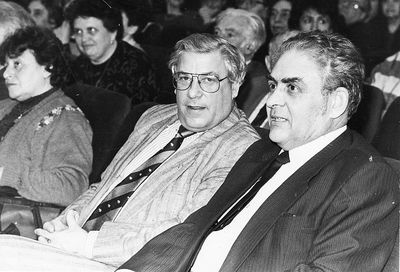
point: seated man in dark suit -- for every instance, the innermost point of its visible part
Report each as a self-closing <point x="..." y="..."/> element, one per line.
<point x="331" y="206"/>
<point x="171" y="165"/>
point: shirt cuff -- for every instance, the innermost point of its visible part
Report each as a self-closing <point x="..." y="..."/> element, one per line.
<point x="89" y="245"/>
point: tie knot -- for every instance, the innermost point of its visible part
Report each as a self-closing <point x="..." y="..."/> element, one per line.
<point x="184" y="132"/>
<point x="283" y="158"/>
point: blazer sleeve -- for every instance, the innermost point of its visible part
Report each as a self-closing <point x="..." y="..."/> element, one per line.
<point x="56" y="167"/>
<point x="358" y="230"/>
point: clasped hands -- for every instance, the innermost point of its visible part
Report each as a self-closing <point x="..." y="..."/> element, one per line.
<point x="64" y="233"/>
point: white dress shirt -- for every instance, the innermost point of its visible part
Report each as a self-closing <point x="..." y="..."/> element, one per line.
<point x="217" y="245"/>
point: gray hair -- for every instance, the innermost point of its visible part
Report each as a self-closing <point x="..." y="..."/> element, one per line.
<point x="13" y="17"/>
<point x="207" y="43"/>
<point x="341" y="64"/>
<point x="255" y="24"/>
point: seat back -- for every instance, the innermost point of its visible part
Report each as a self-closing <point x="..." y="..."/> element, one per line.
<point x="129" y="124"/>
<point x="106" y="110"/>
<point x="367" y="118"/>
<point x="387" y="139"/>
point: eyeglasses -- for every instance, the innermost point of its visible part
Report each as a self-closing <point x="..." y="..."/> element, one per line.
<point x="208" y="83"/>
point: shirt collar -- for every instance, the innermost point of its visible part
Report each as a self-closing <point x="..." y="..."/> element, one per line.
<point x="305" y="152"/>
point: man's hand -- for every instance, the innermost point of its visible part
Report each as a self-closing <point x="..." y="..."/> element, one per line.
<point x="57" y="224"/>
<point x="70" y="237"/>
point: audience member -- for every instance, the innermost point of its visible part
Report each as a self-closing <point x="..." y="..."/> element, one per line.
<point x="279" y="16"/>
<point x="331" y="206"/>
<point x="367" y="37"/>
<point x="209" y="10"/>
<point x="45" y="148"/>
<point x="135" y="16"/>
<point x="49" y="14"/>
<point x="12" y="17"/>
<point x="312" y="15"/>
<point x="259" y="7"/>
<point x="107" y="61"/>
<point x="207" y="72"/>
<point x="246" y="31"/>
<point x="391" y="12"/>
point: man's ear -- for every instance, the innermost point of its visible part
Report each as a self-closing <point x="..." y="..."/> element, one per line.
<point x="249" y="48"/>
<point x="235" y="89"/>
<point x="338" y="102"/>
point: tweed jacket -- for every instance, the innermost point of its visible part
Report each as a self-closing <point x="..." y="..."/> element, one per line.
<point x="338" y="212"/>
<point x="181" y="185"/>
<point x="47" y="154"/>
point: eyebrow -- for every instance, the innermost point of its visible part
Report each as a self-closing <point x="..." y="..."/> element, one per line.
<point x="291" y="79"/>
<point x="286" y="79"/>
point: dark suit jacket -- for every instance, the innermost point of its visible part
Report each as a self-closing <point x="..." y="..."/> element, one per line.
<point x="338" y="212"/>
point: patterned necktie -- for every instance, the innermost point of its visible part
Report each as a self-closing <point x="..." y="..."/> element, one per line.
<point x="121" y="193"/>
<point x="280" y="160"/>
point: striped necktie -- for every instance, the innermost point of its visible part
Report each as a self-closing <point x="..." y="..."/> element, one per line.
<point x="113" y="202"/>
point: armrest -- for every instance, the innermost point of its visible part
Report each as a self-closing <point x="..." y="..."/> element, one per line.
<point x="10" y="196"/>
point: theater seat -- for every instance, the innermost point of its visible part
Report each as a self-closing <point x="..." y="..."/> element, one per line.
<point x="367" y="118"/>
<point x="387" y="139"/>
<point x="106" y="111"/>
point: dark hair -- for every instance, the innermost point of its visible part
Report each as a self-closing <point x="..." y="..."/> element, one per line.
<point x="325" y="8"/>
<point x="104" y="10"/>
<point x="138" y="12"/>
<point x="55" y="11"/>
<point x="340" y="62"/>
<point x="46" y="48"/>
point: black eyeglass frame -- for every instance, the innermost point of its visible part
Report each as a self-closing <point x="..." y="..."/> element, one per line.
<point x="198" y="81"/>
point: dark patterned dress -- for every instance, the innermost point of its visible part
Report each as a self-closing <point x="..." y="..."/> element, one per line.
<point x="128" y="71"/>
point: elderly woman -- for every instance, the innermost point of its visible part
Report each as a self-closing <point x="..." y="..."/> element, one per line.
<point x="45" y="140"/>
<point x="107" y="61"/>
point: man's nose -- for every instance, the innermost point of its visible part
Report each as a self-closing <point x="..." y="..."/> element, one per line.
<point x="194" y="90"/>
<point x="275" y="97"/>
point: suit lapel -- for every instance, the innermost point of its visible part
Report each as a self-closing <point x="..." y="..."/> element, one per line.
<point x="243" y="175"/>
<point x="279" y="202"/>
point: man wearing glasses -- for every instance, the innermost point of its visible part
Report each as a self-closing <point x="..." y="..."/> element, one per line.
<point x="89" y="235"/>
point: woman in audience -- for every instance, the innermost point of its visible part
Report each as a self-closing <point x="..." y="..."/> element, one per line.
<point x="49" y="14"/>
<point x="45" y="140"/>
<point x="311" y="15"/>
<point x="279" y="16"/>
<point x="107" y="61"/>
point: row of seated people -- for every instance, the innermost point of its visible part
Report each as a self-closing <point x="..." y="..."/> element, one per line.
<point x="48" y="69"/>
<point x="321" y="188"/>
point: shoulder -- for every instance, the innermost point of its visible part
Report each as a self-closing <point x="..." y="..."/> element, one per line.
<point x="128" y="51"/>
<point x="58" y="107"/>
<point x="159" y="113"/>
